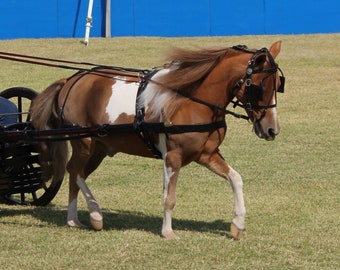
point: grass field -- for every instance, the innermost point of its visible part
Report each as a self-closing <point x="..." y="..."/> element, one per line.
<point x="291" y="185"/>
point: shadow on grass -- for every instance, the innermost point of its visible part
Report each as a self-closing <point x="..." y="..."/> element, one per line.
<point x="119" y="220"/>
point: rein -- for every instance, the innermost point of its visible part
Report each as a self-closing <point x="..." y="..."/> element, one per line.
<point x="115" y="69"/>
<point x="215" y="108"/>
<point x="142" y="73"/>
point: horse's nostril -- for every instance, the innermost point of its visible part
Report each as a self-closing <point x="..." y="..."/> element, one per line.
<point x="272" y="132"/>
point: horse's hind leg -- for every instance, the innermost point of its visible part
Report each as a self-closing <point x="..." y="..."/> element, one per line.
<point x="98" y="153"/>
<point x="74" y="167"/>
<point x="217" y="164"/>
<point x="79" y="169"/>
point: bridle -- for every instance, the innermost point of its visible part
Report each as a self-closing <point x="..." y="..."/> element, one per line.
<point x="254" y="93"/>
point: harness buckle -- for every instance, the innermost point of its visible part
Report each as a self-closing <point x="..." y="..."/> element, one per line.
<point x="168" y="123"/>
<point x="138" y="119"/>
<point x="239" y="83"/>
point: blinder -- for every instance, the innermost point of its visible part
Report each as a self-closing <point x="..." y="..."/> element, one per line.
<point x="254" y="92"/>
<point x="281" y="88"/>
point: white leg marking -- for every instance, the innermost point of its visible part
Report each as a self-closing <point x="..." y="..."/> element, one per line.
<point x="237" y="186"/>
<point x="72" y="215"/>
<point x="96" y="216"/>
<point x="84" y="188"/>
<point x="167" y="221"/>
<point x="167" y="174"/>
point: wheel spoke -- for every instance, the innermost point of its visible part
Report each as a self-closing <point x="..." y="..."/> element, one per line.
<point x="34" y="195"/>
<point x="22" y="198"/>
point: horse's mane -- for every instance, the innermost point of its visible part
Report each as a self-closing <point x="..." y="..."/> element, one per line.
<point x="188" y="68"/>
<point x="185" y="73"/>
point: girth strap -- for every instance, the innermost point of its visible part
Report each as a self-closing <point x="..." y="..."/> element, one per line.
<point x="143" y="133"/>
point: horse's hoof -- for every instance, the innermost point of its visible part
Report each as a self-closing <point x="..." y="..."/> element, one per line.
<point x="236" y="232"/>
<point x="170" y="235"/>
<point x="96" y="221"/>
<point x="75" y="224"/>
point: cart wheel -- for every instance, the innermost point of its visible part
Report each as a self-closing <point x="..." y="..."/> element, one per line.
<point x="22" y="97"/>
<point x="20" y="167"/>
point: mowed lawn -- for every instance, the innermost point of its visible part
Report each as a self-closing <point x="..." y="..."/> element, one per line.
<point x="291" y="185"/>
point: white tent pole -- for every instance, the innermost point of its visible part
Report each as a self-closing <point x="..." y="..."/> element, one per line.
<point x="108" y="19"/>
<point x="88" y="22"/>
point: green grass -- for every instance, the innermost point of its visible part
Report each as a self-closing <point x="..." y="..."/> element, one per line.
<point x="291" y="185"/>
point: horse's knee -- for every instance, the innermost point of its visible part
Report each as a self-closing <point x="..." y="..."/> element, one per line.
<point x="235" y="178"/>
<point x="169" y="202"/>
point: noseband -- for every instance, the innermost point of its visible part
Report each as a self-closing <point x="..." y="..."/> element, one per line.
<point x="253" y="92"/>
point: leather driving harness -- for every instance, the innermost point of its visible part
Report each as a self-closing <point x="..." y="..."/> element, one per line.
<point x="69" y="131"/>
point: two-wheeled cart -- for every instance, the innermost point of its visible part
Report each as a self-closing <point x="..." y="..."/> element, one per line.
<point x="22" y="180"/>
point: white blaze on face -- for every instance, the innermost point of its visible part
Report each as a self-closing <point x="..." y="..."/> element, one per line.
<point x="122" y="100"/>
<point x="275" y="117"/>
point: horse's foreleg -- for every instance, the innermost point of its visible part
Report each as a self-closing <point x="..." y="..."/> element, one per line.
<point x="169" y="198"/>
<point x="238" y="224"/>
<point x="218" y="165"/>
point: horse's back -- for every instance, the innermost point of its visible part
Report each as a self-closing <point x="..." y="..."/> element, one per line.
<point x="92" y="99"/>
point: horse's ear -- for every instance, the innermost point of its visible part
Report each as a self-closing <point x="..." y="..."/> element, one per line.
<point x="275" y="48"/>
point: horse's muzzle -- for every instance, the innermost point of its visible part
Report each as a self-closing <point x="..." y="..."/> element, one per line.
<point x="268" y="134"/>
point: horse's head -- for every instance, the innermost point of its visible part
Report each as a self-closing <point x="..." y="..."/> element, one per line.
<point x="258" y="88"/>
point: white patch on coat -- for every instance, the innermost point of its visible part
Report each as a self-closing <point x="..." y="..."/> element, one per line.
<point x="157" y="94"/>
<point x="122" y="100"/>
<point x="162" y="144"/>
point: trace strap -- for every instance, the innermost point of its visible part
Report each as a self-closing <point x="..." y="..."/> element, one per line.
<point x="25" y="132"/>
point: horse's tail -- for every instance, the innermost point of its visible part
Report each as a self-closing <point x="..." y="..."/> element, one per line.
<point x="44" y="115"/>
<point x="43" y="108"/>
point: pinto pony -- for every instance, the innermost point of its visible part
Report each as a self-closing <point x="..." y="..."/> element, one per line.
<point x="188" y="97"/>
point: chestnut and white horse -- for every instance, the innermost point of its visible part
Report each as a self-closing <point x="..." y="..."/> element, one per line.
<point x="192" y="92"/>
